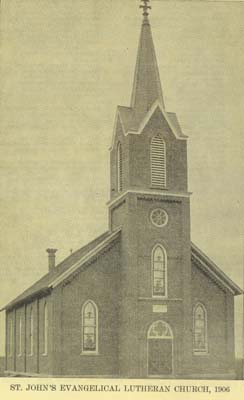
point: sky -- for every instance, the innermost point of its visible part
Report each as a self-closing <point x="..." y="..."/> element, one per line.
<point x="65" y="66"/>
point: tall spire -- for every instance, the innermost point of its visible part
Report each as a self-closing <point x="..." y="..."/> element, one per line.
<point x="147" y="86"/>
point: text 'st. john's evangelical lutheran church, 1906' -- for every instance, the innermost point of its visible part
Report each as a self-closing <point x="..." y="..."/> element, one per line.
<point x="141" y="300"/>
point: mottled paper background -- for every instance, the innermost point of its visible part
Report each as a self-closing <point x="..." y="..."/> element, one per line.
<point x="65" y="65"/>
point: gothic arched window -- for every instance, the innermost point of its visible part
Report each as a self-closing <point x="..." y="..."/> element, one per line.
<point x="159" y="271"/>
<point x="158" y="162"/>
<point x="89" y="328"/>
<point x="45" y="329"/>
<point x="200" y="329"/>
<point x="119" y="168"/>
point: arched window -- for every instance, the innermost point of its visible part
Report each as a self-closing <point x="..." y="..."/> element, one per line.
<point x="10" y="346"/>
<point x="159" y="271"/>
<point x="200" y="329"/>
<point x="31" y="332"/>
<point x="20" y="337"/>
<point x="119" y="168"/>
<point x="45" y="329"/>
<point x="89" y="328"/>
<point x="158" y="162"/>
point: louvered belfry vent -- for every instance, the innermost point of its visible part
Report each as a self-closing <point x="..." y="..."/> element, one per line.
<point x="119" y="168"/>
<point x="158" y="162"/>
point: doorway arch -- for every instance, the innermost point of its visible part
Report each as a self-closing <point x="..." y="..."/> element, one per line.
<point x="159" y="349"/>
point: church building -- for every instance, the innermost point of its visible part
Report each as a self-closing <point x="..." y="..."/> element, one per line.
<point x="141" y="300"/>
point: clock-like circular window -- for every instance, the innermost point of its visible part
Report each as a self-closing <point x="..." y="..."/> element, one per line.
<point x="159" y="217"/>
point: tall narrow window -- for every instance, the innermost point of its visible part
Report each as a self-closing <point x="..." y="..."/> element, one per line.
<point x="45" y="329"/>
<point x="200" y="329"/>
<point x="89" y="328"/>
<point x="159" y="271"/>
<point x="20" y="337"/>
<point x="10" y="336"/>
<point x="119" y="168"/>
<point x="158" y="162"/>
<point x="31" y="332"/>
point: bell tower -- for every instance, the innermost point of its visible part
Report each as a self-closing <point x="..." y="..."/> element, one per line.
<point x="149" y="200"/>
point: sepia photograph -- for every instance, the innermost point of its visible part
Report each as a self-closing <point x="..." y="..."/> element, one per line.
<point x="122" y="196"/>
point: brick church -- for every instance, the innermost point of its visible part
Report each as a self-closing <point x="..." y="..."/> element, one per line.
<point x="141" y="300"/>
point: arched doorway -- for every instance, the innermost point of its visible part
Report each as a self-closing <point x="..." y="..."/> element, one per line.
<point x="160" y="349"/>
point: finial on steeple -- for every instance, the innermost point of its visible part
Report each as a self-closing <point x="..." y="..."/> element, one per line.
<point x="145" y="8"/>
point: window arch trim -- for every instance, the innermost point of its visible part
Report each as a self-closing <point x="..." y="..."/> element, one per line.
<point x="197" y="350"/>
<point x="165" y="295"/>
<point x="167" y="334"/>
<point x="95" y="326"/>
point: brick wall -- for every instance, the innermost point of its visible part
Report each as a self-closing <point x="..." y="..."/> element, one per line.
<point x="22" y="359"/>
<point x="220" y="327"/>
<point x="99" y="283"/>
<point x="136" y="157"/>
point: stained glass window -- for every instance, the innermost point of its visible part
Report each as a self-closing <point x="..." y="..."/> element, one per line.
<point x="159" y="272"/>
<point x="89" y="328"/>
<point x="200" y="329"/>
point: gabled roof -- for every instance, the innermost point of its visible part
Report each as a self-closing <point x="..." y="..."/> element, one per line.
<point x="203" y="262"/>
<point x="65" y="268"/>
<point x="131" y="126"/>
<point x="71" y="264"/>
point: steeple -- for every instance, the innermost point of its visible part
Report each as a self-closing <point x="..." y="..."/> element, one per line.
<point x="147" y="86"/>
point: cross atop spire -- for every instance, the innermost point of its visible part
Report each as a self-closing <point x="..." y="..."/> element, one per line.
<point x="145" y="8"/>
<point x="147" y="86"/>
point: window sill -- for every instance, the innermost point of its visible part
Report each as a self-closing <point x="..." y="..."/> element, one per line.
<point x="89" y="354"/>
<point x="200" y="353"/>
<point x="159" y="188"/>
<point x="159" y="297"/>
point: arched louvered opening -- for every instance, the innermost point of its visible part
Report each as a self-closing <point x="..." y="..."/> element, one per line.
<point x="158" y="162"/>
<point x="200" y="340"/>
<point x="119" y="168"/>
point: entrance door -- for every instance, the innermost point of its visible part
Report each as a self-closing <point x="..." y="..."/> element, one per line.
<point x="160" y="349"/>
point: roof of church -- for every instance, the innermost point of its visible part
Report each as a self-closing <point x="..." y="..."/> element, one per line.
<point x="213" y="271"/>
<point x="45" y="284"/>
<point x="129" y="122"/>
<point x="74" y="262"/>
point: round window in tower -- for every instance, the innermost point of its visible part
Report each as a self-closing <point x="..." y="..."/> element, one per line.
<point x="159" y="217"/>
